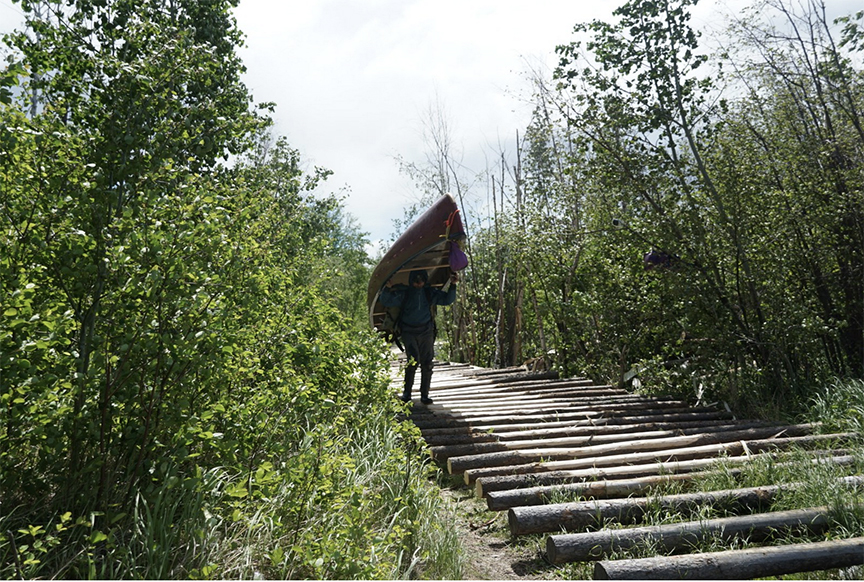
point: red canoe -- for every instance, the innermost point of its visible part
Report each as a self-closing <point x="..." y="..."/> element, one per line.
<point x="425" y="245"/>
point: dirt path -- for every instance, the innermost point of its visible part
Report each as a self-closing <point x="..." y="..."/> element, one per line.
<point x="490" y="551"/>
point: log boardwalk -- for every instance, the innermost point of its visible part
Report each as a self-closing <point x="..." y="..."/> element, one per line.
<point x="524" y="439"/>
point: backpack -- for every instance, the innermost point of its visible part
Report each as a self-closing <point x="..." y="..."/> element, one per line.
<point x="392" y="324"/>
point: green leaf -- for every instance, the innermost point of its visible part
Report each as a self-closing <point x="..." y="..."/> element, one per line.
<point x="96" y="537"/>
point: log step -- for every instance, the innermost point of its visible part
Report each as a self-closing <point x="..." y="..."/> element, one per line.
<point x="738" y="564"/>
<point x="523" y="439"/>
<point x="596" y="513"/>
<point x="678" y="537"/>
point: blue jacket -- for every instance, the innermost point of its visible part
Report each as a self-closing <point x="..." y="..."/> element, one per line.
<point x="416" y="310"/>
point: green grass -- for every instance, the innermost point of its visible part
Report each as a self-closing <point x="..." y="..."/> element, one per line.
<point x="840" y="408"/>
<point x="358" y="504"/>
<point x="380" y="518"/>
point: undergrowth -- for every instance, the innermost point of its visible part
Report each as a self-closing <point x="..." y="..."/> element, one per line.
<point x="370" y="512"/>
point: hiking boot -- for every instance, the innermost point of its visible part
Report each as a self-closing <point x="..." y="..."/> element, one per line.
<point x="426" y="400"/>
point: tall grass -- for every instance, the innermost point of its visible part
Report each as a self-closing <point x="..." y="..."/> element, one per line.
<point x="375" y="516"/>
<point x="163" y="538"/>
<point x="840" y="406"/>
<point x="357" y="503"/>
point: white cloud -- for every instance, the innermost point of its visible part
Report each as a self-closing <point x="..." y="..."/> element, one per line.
<point x="353" y="80"/>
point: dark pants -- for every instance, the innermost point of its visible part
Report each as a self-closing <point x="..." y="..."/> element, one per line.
<point x="420" y="349"/>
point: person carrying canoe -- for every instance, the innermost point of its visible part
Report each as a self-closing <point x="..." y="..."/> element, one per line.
<point x="417" y="325"/>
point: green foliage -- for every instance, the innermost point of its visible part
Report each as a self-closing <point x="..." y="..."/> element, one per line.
<point x="840" y="406"/>
<point x="357" y="505"/>
<point x="750" y="182"/>
<point x="180" y="353"/>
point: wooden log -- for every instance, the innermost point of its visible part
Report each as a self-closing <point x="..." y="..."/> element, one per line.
<point x="448" y="445"/>
<point x="478" y="398"/>
<point x="517" y="412"/>
<point x="528" y="418"/>
<point x="454" y="384"/>
<point x="465" y="386"/>
<point x="599" y="410"/>
<point x="465" y="438"/>
<point x="529" y="397"/>
<point x="586" y="418"/>
<point x="675" y="537"/>
<point x="467" y="389"/>
<point x="734" y="449"/>
<point x="467" y="435"/>
<point x="518" y="403"/>
<point x="486" y="485"/>
<point x="630" y="445"/>
<point x="592" y="436"/>
<point x="497" y="394"/>
<point x="738" y="564"/>
<point x="581" y="515"/>
<point x="595" y="513"/>
<point x="537" y="406"/>
<point x="661" y="420"/>
<point x="551" y="408"/>
<point x="500" y="371"/>
<point x="514" y="372"/>
<point x="501" y="500"/>
<point x="554" y="383"/>
<point x="524" y="376"/>
<point x="519" y="376"/>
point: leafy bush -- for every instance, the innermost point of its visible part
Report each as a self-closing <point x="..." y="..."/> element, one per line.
<point x="182" y="395"/>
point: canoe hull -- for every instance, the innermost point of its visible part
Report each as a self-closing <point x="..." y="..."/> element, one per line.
<point x="424" y="245"/>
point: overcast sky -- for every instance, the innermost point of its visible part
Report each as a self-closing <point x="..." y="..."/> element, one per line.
<point x="353" y="80"/>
